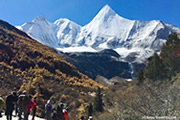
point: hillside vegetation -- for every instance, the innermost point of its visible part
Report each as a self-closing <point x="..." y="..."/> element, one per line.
<point x="28" y="65"/>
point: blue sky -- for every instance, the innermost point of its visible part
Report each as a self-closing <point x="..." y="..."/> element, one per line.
<point x="17" y="12"/>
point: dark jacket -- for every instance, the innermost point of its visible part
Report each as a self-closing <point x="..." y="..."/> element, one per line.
<point x="10" y="101"/>
<point x="54" y="115"/>
<point x="60" y="114"/>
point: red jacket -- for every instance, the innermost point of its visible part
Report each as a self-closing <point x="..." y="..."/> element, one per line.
<point x="29" y="105"/>
<point x="65" y="114"/>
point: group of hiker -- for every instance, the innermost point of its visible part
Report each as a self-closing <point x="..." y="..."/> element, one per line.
<point x="58" y="113"/>
<point x="61" y="112"/>
<point x="23" y="104"/>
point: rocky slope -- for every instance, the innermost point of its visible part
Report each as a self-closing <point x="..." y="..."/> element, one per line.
<point x="105" y="63"/>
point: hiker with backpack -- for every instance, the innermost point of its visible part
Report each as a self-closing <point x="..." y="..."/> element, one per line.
<point x="23" y="101"/>
<point x="48" y="110"/>
<point x="34" y="105"/>
<point x="10" y="102"/>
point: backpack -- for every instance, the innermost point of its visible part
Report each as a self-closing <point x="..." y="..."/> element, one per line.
<point x="48" y="108"/>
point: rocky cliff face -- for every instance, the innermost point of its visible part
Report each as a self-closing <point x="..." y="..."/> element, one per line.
<point x="105" y="63"/>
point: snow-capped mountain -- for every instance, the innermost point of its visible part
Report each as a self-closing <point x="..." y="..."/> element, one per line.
<point x="41" y="30"/>
<point x="66" y="32"/>
<point x="134" y="40"/>
<point x="61" y="33"/>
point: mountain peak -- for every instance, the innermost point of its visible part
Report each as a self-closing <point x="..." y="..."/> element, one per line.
<point x="39" y="18"/>
<point x="106" y="11"/>
<point x="107" y="7"/>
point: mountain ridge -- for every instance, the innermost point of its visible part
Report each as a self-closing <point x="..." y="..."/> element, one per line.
<point x="107" y="30"/>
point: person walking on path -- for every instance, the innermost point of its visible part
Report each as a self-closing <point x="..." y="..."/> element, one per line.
<point x="17" y="108"/>
<point x="90" y="109"/>
<point x="34" y="104"/>
<point x="54" y="114"/>
<point x="65" y="112"/>
<point x="29" y="105"/>
<point x="60" y="114"/>
<point x="15" y="100"/>
<point x="10" y="102"/>
<point x="22" y="104"/>
<point x="2" y="104"/>
<point x="48" y="110"/>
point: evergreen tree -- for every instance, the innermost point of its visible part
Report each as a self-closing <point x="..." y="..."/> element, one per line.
<point x="98" y="103"/>
<point x="155" y="69"/>
<point x="140" y="77"/>
<point x="170" y="55"/>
